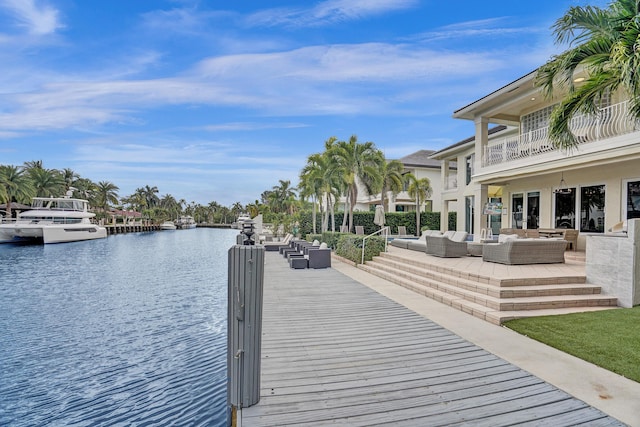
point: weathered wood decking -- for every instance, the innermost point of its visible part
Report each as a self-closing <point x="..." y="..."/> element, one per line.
<point x="335" y="352"/>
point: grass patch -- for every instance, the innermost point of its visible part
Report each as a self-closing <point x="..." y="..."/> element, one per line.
<point x="609" y="338"/>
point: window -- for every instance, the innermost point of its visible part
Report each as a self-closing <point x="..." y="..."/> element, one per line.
<point x="633" y="199"/>
<point x="469" y="200"/>
<point x="536" y="120"/>
<point x="469" y="171"/>
<point x="517" y="205"/>
<point x="428" y="205"/>
<point x="566" y="209"/>
<point x="592" y="209"/>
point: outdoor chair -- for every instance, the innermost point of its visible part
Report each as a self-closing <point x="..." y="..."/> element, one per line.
<point x="344" y="229"/>
<point x="571" y="236"/>
<point x="319" y="258"/>
<point x="275" y="246"/>
<point x="360" y="230"/>
<point x="402" y="231"/>
<point x="447" y="247"/>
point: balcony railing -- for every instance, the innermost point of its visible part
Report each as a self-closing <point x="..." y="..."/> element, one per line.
<point x="606" y="123"/>
<point x="451" y="182"/>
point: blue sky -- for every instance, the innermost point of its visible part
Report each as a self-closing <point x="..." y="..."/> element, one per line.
<point x="211" y="100"/>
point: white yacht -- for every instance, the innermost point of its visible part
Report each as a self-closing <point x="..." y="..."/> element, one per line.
<point x="54" y="220"/>
<point x="168" y="225"/>
<point x="185" y="222"/>
<point x="242" y="218"/>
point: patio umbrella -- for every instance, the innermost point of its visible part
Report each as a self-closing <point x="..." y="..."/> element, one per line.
<point x="378" y="218"/>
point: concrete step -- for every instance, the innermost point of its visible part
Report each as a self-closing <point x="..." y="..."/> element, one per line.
<point x="488" y="299"/>
<point x="522" y="290"/>
<point x="496" y="303"/>
<point x="475" y="309"/>
<point x="430" y="264"/>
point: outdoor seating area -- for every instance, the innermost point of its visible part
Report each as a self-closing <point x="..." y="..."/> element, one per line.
<point x="301" y="254"/>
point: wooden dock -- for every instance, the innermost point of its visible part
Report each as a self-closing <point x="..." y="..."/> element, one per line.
<point x="335" y="352"/>
<point x="130" y="228"/>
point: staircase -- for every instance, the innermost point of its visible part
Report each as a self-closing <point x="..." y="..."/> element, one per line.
<point x="491" y="299"/>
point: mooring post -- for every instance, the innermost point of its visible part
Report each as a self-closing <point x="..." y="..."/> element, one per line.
<point x="244" y="323"/>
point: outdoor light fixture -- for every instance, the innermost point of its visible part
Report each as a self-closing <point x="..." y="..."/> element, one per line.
<point x="563" y="188"/>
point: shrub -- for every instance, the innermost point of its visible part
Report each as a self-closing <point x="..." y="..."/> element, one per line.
<point x="331" y="238"/>
<point x="350" y="247"/>
<point x="453" y="221"/>
<point x="312" y="237"/>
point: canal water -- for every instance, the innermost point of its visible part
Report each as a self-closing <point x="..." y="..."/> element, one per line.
<point x="124" y="331"/>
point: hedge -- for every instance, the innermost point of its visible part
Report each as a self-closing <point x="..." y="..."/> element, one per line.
<point x="392" y="220"/>
<point x="350" y="247"/>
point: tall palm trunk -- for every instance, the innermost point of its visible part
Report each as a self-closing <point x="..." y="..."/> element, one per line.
<point x="347" y="202"/>
<point x="313" y="215"/>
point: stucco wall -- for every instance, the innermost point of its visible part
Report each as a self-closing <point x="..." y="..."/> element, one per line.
<point x="613" y="262"/>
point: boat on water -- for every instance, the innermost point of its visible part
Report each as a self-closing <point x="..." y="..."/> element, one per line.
<point x="241" y="220"/>
<point x="185" y="222"/>
<point x="53" y="220"/>
<point x="168" y="225"/>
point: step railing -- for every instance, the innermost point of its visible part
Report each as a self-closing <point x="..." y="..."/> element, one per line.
<point x="385" y="231"/>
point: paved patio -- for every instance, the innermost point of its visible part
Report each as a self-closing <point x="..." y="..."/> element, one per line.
<point x="573" y="266"/>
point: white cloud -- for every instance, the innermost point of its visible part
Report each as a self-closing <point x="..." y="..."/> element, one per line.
<point x="37" y="18"/>
<point x="327" y="12"/>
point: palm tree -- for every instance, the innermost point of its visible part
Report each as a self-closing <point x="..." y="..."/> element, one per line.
<point x="150" y="196"/>
<point x="47" y="182"/>
<point x="392" y="180"/>
<point x="106" y="193"/>
<point x="358" y="162"/>
<point x="84" y="189"/>
<point x="170" y="205"/>
<point x="15" y="185"/>
<point x="606" y="45"/>
<point x="34" y="164"/>
<point x="419" y="190"/>
<point x="311" y="184"/>
<point x="282" y="197"/>
<point x="236" y="209"/>
<point x="70" y="177"/>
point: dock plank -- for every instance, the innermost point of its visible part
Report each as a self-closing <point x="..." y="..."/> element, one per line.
<point x="337" y="352"/>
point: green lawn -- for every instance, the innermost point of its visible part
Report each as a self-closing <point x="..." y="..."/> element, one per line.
<point x="609" y="339"/>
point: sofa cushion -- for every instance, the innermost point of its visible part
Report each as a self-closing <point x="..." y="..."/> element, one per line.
<point x="459" y="236"/>
<point x="506" y="237"/>
<point x="449" y="233"/>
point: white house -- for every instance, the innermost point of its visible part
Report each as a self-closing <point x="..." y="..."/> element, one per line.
<point x="512" y="177"/>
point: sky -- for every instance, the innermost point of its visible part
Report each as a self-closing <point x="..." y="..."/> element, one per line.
<point x="218" y="101"/>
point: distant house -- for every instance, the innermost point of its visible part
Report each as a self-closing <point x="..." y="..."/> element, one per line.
<point x="124" y="216"/>
<point x="512" y="176"/>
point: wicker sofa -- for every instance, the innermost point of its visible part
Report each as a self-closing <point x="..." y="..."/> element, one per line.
<point x="419" y="244"/>
<point x="525" y="251"/>
<point x="447" y="246"/>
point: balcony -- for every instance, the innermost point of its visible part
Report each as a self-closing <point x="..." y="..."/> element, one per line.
<point x="451" y="182"/>
<point x="607" y="123"/>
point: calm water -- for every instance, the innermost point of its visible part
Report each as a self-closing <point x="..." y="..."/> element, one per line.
<point x="125" y="331"/>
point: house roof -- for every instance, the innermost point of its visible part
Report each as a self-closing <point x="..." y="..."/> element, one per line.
<point x="468" y="141"/>
<point x="422" y="159"/>
<point x="516" y="87"/>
